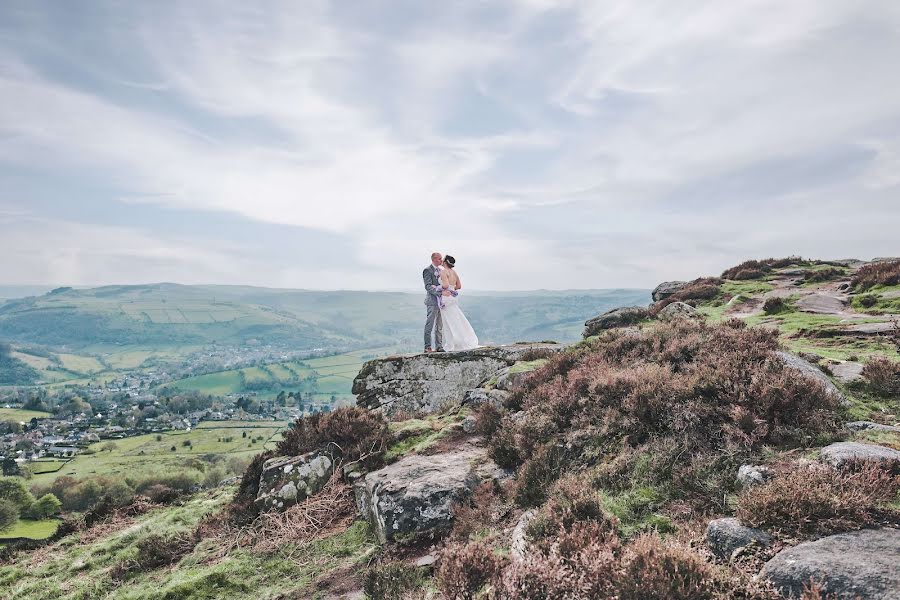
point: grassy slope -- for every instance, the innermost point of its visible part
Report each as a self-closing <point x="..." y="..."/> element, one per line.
<point x="36" y="530"/>
<point x="18" y="414"/>
<point x="72" y="570"/>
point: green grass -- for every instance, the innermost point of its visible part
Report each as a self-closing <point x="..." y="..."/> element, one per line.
<point x="18" y="414"/>
<point x="39" y="467"/>
<point x="36" y="530"/>
<point x="144" y="455"/>
<point x="746" y="288"/>
<point x="71" y="571"/>
<point x="524" y="366"/>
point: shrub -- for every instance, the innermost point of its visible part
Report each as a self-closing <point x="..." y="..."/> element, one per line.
<point x="572" y="501"/>
<point x="466" y="568"/>
<point x="9" y="514"/>
<point x="44" y="507"/>
<point x="819" y="500"/>
<point x="825" y="274"/>
<point x="477" y="512"/>
<point x="391" y="581"/>
<point x="13" y="489"/>
<point x="868" y="300"/>
<point x="774" y="305"/>
<point x="487" y="419"/>
<point x="880" y="273"/>
<point x="155" y="551"/>
<point x="654" y="570"/>
<point x="883" y="376"/>
<point x="754" y="269"/>
<point x="360" y="434"/>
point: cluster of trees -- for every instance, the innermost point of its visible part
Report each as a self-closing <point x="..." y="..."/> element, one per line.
<point x="12" y="370"/>
<point x="17" y="502"/>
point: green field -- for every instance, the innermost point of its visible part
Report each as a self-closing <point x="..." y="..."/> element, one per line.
<point x="26" y="528"/>
<point x="20" y="415"/>
<point x="144" y="454"/>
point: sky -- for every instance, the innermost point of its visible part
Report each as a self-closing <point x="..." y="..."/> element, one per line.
<point x="545" y="144"/>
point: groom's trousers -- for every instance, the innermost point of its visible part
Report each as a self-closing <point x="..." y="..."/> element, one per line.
<point x="433" y="325"/>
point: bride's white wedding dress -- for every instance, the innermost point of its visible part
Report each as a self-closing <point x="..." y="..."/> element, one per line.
<point x="458" y="333"/>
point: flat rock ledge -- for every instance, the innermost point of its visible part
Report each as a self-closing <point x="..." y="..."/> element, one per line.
<point x="727" y="536"/>
<point x="417" y="494"/>
<point x="871" y="426"/>
<point x="666" y="289"/>
<point x="426" y="383"/>
<point x="611" y="319"/>
<point x="862" y="564"/>
<point x="841" y="453"/>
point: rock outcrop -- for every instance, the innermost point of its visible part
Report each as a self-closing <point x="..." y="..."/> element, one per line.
<point x="424" y="383"/>
<point x="870" y="426"/>
<point x="418" y="493"/>
<point x="666" y="289"/>
<point x="679" y="310"/>
<point x="726" y="536"/>
<point x="750" y="475"/>
<point x="611" y="319"/>
<point x="862" y="564"/>
<point x="810" y="370"/>
<point x="841" y="453"/>
<point x="286" y="480"/>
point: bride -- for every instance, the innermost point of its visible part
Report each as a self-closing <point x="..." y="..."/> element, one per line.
<point x="458" y="333"/>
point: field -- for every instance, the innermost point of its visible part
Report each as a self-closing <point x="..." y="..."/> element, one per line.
<point x="18" y="414"/>
<point x="26" y="528"/>
<point x="145" y="454"/>
<point x="333" y="376"/>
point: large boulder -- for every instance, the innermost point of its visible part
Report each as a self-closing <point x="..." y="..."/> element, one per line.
<point x="727" y="536"/>
<point x="424" y="383"/>
<point x="840" y="454"/>
<point x="287" y="480"/>
<point x="679" y="310"/>
<point x="862" y="564"/>
<point x="417" y="494"/>
<point x="666" y="289"/>
<point x="611" y="319"/>
<point x="480" y="396"/>
<point x="810" y="370"/>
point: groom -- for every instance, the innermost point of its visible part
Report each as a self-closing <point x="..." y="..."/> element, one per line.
<point x="432" y="278"/>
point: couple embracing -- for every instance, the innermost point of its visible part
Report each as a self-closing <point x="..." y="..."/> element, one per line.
<point x="445" y="321"/>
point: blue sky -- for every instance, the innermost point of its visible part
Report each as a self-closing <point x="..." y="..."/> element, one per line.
<point x="545" y="144"/>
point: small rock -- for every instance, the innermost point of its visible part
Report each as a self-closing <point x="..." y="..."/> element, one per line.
<point x="286" y="480"/>
<point x="847" y="371"/>
<point x="798" y="364"/>
<point x="480" y="396"/>
<point x="426" y="561"/>
<point x="840" y="453"/>
<point x="870" y="426"/>
<point x="666" y="289"/>
<point x="726" y="536"/>
<point x="861" y="565"/>
<point x="468" y="424"/>
<point x="611" y="319"/>
<point x="750" y="475"/>
<point x="679" y="310"/>
<point x="518" y="545"/>
<point x="811" y="357"/>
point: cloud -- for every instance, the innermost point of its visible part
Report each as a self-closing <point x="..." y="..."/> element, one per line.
<point x="547" y="144"/>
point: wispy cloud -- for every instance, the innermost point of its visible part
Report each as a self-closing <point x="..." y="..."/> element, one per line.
<point x="547" y="144"/>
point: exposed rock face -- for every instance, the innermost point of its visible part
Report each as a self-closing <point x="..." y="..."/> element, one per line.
<point x="611" y="319"/>
<point x="679" y="310"/>
<point x="726" y="536"/>
<point x="870" y="426"/>
<point x="810" y="370"/>
<point x="666" y="289"/>
<point x="518" y="545"/>
<point x="840" y="453"/>
<point x="862" y="564"/>
<point x="423" y="383"/>
<point x="417" y="493"/>
<point x="750" y="475"/>
<point x="286" y="480"/>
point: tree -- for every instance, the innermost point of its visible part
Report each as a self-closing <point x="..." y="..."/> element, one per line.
<point x="45" y="507"/>
<point x="109" y="446"/>
<point x="14" y="490"/>
<point x="10" y="466"/>
<point x="9" y="514"/>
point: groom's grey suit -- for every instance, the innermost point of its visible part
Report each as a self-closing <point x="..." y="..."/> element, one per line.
<point x="432" y="277"/>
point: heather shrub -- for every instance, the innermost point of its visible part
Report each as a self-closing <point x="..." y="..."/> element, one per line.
<point x="774" y="305"/>
<point x="754" y="269"/>
<point x="819" y="499"/>
<point x="700" y="289"/>
<point x="487" y="419"/>
<point x="537" y="474"/>
<point x="868" y="300"/>
<point x="465" y="569"/>
<point x="391" y="581"/>
<point x="155" y="551"/>
<point x="572" y="501"/>
<point x="882" y="375"/>
<point x="653" y="570"/>
<point x="477" y="512"/>
<point x="502" y="449"/>
<point x="825" y="274"/>
<point x="880" y="273"/>
<point x="360" y="434"/>
<point x="536" y="354"/>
